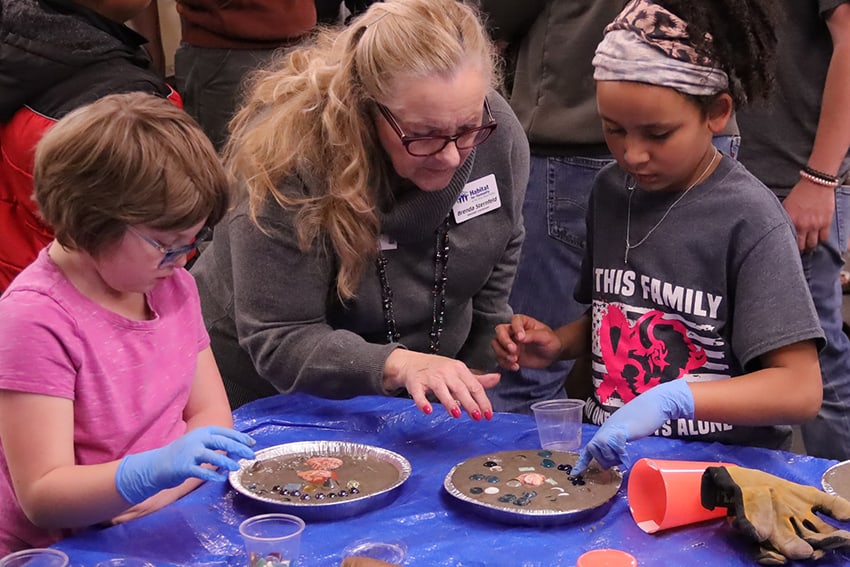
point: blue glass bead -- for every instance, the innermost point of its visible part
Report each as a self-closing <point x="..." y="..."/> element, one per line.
<point x="489" y="464"/>
<point x="548" y="463"/>
<point x="544" y="453"/>
<point x="492" y="479"/>
<point x="476" y="477"/>
<point x="476" y="490"/>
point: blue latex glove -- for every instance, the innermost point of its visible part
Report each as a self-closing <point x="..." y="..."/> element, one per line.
<point x="142" y="475"/>
<point x="639" y="418"/>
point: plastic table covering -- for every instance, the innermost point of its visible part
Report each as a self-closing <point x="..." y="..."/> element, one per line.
<point x="201" y="529"/>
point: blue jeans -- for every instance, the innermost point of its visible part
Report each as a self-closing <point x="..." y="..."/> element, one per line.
<point x="554" y="212"/>
<point x="828" y="435"/>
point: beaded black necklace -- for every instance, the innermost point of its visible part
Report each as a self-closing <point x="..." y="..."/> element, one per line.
<point x="438" y="312"/>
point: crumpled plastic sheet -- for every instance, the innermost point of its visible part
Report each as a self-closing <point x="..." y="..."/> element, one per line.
<point x="430" y="525"/>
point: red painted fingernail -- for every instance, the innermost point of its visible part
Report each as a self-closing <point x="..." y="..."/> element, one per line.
<point x="488" y="414"/>
<point x="476" y="415"/>
<point x="427" y="409"/>
<point x="455" y="412"/>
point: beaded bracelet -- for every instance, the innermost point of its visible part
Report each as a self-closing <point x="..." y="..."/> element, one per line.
<point x="816" y="173"/>
<point x="817" y="180"/>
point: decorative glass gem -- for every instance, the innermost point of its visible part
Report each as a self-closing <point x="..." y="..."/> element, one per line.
<point x="544" y="453"/>
<point x="548" y="463"/>
<point x="513" y="483"/>
<point x="492" y="479"/>
<point x="476" y="490"/>
<point x="507" y="498"/>
<point x="476" y="477"/>
<point x="490" y="464"/>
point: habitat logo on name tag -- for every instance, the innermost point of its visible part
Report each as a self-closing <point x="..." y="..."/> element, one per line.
<point x="478" y="197"/>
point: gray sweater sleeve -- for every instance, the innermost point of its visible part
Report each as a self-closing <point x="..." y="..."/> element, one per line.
<point x="281" y="296"/>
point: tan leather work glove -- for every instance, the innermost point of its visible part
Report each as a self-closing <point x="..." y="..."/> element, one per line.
<point x="777" y="513"/>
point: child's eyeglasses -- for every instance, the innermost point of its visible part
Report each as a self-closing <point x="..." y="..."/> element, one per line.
<point x="170" y="255"/>
<point x="424" y="146"/>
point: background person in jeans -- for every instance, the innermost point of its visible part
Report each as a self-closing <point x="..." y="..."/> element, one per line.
<point x="798" y="146"/>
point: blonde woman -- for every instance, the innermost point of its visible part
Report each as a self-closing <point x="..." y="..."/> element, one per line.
<point x="378" y="238"/>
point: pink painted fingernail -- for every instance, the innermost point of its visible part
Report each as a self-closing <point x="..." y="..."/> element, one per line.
<point x="455" y="412"/>
<point x="427" y="409"/>
<point x="476" y="415"/>
<point x="488" y="414"/>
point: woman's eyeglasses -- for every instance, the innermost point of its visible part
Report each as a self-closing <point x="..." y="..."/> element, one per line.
<point x="423" y="146"/>
<point x="170" y="255"/>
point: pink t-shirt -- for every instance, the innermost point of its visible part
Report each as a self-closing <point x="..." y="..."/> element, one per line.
<point x="129" y="380"/>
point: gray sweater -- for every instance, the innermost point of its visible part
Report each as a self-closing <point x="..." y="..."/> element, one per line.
<point x="272" y="311"/>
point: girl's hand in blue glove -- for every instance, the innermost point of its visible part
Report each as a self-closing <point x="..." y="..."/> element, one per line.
<point x="142" y="475"/>
<point x="639" y="418"/>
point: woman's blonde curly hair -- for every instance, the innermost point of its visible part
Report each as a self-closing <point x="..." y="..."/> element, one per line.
<point x="312" y="117"/>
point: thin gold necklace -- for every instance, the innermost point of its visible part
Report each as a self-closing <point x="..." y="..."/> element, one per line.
<point x="631" y="188"/>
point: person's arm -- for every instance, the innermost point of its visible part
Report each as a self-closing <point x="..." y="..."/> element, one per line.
<point x="787" y="390"/>
<point x="207" y="405"/>
<point x="281" y="296"/>
<point x="52" y="490"/>
<point x="812" y="206"/>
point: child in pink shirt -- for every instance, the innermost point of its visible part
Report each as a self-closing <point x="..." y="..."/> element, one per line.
<point x="111" y="404"/>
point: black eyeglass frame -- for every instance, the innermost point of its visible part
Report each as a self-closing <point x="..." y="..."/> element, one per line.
<point x="407" y="140"/>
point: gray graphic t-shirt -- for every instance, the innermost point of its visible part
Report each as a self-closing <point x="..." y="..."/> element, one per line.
<point x="717" y="284"/>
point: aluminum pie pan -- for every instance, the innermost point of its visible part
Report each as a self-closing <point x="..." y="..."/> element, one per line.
<point x="509" y="514"/>
<point x="836" y="480"/>
<point x="333" y="509"/>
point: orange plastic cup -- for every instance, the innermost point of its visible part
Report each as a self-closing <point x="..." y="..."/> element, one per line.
<point x="666" y="494"/>
<point x="606" y="558"/>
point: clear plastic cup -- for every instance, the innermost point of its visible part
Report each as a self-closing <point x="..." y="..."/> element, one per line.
<point x="272" y="540"/>
<point x="35" y="558"/>
<point x="559" y="423"/>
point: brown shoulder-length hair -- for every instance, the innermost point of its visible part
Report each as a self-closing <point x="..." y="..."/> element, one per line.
<point x="127" y="159"/>
<point x="312" y="117"/>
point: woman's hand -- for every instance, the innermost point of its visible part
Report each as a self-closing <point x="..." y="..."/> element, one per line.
<point x="455" y="385"/>
<point x="525" y="341"/>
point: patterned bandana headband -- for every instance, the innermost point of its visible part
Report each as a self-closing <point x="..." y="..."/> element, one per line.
<point x="648" y="44"/>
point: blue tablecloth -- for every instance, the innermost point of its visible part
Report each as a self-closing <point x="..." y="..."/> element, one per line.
<point x="202" y="528"/>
